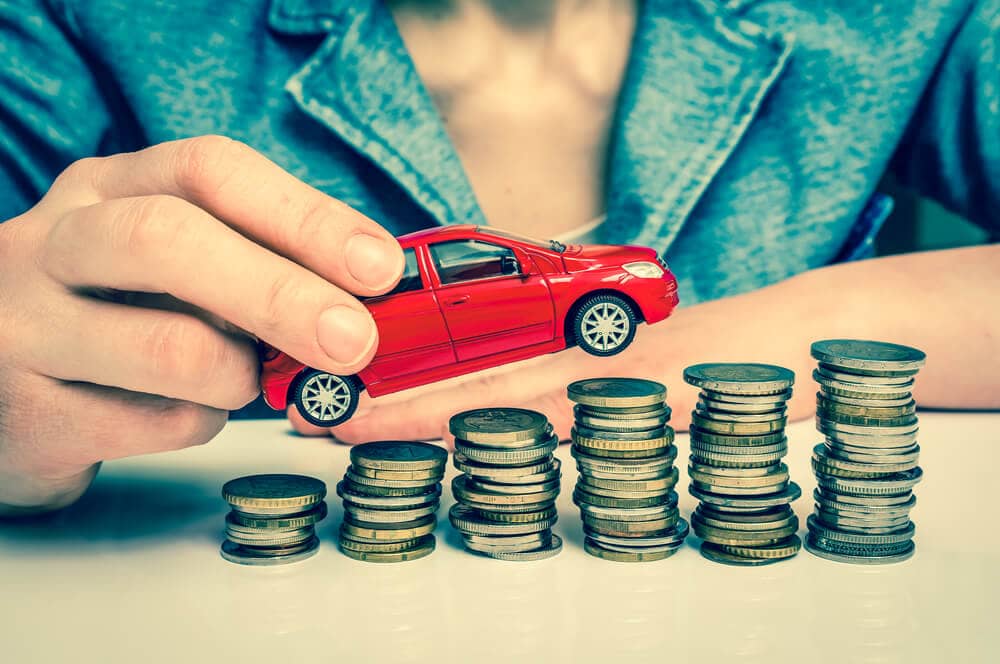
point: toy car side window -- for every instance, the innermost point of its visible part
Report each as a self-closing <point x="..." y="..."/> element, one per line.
<point x="468" y="260"/>
<point x="410" y="280"/>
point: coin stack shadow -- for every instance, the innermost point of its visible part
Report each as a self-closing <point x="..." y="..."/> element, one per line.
<point x="391" y="493"/>
<point x="507" y="491"/>
<point x="867" y="466"/>
<point x="624" y="453"/>
<point x="737" y="443"/>
<point x="273" y="517"/>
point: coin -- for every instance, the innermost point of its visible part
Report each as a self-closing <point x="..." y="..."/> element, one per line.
<point x="346" y="542"/>
<point x="389" y="516"/>
<point x="469" y="521"/>
<point x="275" y="491"/>
<point x="868" y="355"/>
<point x="501" y="457"/>
<point x="297" y="520"/>
<point x="736" y="428"/>
<point x="790" y="494"/>
<point x="426" y="497"/>
<point x="427" y="476"/>
<point x="616" y="392"/>
<point x="369" y="484"/>
<point x="498" y="425"/>
<point x="553" y="548"/>
<point x="425" y="549"/>
<point x="242" y="555"/>
<point x="399" y="455"/>
<point x="732" y="378"/>
<point x="717" y="554"/>
<point x="876" y="558"/>
<point x="780" y="550"/>
<point x="635" y="556"/>
<point x="388" y="532"/>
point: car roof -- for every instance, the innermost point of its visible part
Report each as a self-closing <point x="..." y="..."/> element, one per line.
<point x="438" y="232"/>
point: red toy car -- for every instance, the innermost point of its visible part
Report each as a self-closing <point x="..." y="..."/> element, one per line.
<point x="473" y="297"/>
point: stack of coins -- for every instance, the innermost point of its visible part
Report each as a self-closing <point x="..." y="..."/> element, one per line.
<point x="867" y="467"/>
<point x="737" y="443"/>
<point x="391" y="493"/>
<point x="509" y="483"/>
<point x="273" y="518"/>
<point x="624" y="453"/>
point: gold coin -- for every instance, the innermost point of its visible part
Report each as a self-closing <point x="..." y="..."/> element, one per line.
<point x="425" y="549"/>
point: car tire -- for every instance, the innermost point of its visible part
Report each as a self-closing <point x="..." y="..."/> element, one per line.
<point x="324" y="399"/>
<point x="604" y="325"/>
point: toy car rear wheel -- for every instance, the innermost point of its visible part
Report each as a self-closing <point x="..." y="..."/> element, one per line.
<point x="604" y="325"/>
<point x="324" y="399"/>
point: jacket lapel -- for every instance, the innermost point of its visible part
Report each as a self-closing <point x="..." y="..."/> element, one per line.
<point x="361" y="83"/>
<point x="696" y="77"/>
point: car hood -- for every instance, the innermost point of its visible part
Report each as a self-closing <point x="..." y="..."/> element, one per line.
<point x="591" y="256"/>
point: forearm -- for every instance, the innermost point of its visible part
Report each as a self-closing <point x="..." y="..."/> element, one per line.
<point x="943" y="302"/>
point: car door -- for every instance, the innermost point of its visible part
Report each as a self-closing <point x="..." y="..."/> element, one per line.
<point x="411" y="328"/>
<point x="492" y="302"/>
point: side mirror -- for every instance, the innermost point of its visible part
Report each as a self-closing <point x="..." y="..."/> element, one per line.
<point x="509" y="265"/>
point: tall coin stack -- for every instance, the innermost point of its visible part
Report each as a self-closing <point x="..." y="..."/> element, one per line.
<point x="509" y="483"/>
<point x="737" y="443"/>
<point x="867" y="467"/>
<point x="391" y="493"/>
<point x="624" y="453"/>
<point x="273" y="518"/>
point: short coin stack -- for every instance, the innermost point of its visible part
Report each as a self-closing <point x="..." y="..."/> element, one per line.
<point x="273" y="518"/>
<point x="624" y="452"/>
<point x="509" y="483"/>
<point x="737" y="443"/>
<point x="867" y="467"/>
<point x="391" y="493"/>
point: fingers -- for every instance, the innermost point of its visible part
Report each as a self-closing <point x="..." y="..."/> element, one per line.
<point x="305" y="428"/>
<point x="260" y="200"/>
<point x="52" y="430"/>
<point x="147" y="350"/>
<point x="426" y="416"/>
<point x="165" y="244"/>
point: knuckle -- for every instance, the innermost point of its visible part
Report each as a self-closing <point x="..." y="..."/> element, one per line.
<point x="279" y="299"/>
<point x="151" y="225"/>
<point x="310" y="226"/>
<point x="81" y="173"/>
<point x="173" y="349"/>
<point x="190" y="424"/>
<point x="205" y="164"/>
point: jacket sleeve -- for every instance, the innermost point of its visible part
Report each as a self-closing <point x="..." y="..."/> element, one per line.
<point x="951" y="149"/>
<point x="51" y="109"/>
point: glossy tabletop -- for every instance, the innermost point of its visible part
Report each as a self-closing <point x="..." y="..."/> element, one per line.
<point x="132" y="574"/>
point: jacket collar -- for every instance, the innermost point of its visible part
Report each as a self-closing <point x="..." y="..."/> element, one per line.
<point x="362" y="84"/>
<point x="697" y="75"/>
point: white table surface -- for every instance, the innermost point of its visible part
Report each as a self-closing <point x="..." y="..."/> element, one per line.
<point x="133" y="574"/>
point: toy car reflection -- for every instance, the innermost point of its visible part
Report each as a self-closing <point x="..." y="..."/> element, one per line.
<point x="474" y="297"/>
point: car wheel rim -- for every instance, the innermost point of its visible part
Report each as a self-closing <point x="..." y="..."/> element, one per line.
<point x="605" y="326"/>
<point x="326" y="397"/>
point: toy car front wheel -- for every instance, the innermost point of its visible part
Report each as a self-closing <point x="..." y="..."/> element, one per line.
<point x="604" y="325"/>
<point x="324" y="399"/>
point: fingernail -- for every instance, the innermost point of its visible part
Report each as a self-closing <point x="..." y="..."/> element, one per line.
<point x="345" y="334"/>
<point x="374" y="262"/>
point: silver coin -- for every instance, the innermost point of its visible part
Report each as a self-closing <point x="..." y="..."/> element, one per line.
<point x="660" y="410"/>
<point x="675" y="537"/>
<point x="868" y="355"/>
<point x="235" y="553"/>
<point x="734" y="378"/>
<point x="872" y="501"/>
<point x="818" y="529"/>
<point x="705" y="404"/>
<point x="790" y="494"/>
<point x="617" y="392"/>
<point x="512" y="457"/>
<point x="741" y="450"/>
<point x="660" y="460"/>
<point x="859" y="560"/>
<point x="718" y="416"/>
<point x="866" y="391"/>
<point x="865" y="403"/>
<point x="630" y="515"/>
<point x="268" y="538"/>
<point x="747" y="399"/>
<point x="465" y="465"/>
<point x="839" y="452"/>
<point x="554" y="547"/>
<point x="510" y="489"/>
<point x="762" y="471"/>
<point x="862" y="380"/>
<point x="623" y="426"/>
<point x="390" y="516"/>
<point x="498" y="426"/>
<point x="389" y="502"/>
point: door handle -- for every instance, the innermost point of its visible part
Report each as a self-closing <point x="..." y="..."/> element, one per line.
<point x="454" y="302"/>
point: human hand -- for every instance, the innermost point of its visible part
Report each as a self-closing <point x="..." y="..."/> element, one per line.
<point x="223" y="246"/>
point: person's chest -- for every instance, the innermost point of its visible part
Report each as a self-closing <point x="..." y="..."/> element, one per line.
<point x="529" y="111"/>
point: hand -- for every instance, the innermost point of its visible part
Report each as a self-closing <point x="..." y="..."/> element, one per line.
<point x="224" y="246"/>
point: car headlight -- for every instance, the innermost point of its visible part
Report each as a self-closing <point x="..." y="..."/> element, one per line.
<point x="644" y="270"/>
